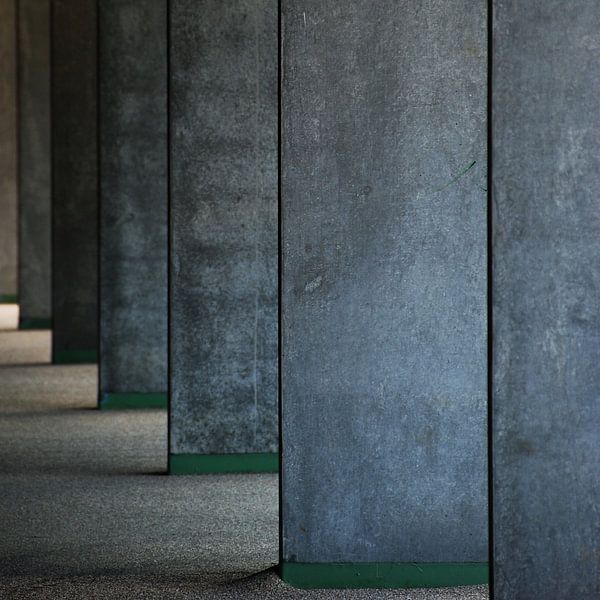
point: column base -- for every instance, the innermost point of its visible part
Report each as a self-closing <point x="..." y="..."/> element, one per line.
<point x="383" y="575"/>
<point x="132" y="400"/>
<point x="65" y="357"/>
<point x="9" y="299"/>
<point x="35" y="323"/>
<point x="203" y="464"/>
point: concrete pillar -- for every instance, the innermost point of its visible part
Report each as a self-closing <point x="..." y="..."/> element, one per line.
<point x="223" y="252"/>
<point x="34" y="164"/>
<point x="74" y="181"/>
<point x="546" y="317"/>
<point x="133" y="203"/>
<point x="8" y="152"/>
<point x="383" y="356"/>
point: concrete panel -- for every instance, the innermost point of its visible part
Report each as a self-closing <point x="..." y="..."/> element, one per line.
<point x="546" y="277"/>
<point x="223" y="207"/>
<point x="8" y="152"/>
<point x="34" y="164"/>
<point x="383" y="211"/>
<point x="74" y="181"/>
<point x="133" y="201"/>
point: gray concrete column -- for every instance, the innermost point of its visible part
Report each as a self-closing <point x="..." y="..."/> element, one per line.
<point x="34" y="165"/>
<point x="133" y="203"/>
<point x="74" y="181"/>
<point x="384" y="349"/>
<point x="546" y="309"/>
<point x="8" y="152"/>
<point x="223" y="252"/>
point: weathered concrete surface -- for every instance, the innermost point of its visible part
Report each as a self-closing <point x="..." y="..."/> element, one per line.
<point x="384" y="281"/>
<point x="74" y="179"/>
<point x="8" y="151"/>
<point x="34" y="163"/>
<point x="546" y="282"/>
<point x="224" y="226"/>
<point x="133" y="196"/>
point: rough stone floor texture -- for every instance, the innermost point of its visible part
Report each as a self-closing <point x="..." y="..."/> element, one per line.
<point x="86" y="510"/>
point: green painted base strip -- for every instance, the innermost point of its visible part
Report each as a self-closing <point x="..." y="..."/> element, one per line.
<point x="65" y="357"/>
<point x="35" y="323"/>
<point x="199" y="464"/>
<point x="383" y="575"/>
<point x="9" y="299"/>
<point x="127" y="400"/>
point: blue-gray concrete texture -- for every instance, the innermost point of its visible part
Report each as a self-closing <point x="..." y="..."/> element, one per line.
<point x="383" y="210"/>
<point x="133" y="195"/>
<point x="223" y="211"/>
<point x="74" y="176"/>
<point x="8" y="149"/>
<point x="546" y="279"/>
<point x="34" y="160"/>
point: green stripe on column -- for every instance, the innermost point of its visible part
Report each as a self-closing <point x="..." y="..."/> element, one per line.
<point x="63" y="357"/>
<point x="127" y="400"/>
<point x="198" y="464"/>
<point x="8" y="299"/>
<point x="35" y="323"/>
<point x="383" y="575"/>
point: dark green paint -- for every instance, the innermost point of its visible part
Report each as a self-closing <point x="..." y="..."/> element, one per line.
<point x="458" y="176"/>
<point x="198" y="464"/>
<point x="65" y="357"/>
<point x="128" y="400"/>
<point x="8" y="299"/>
<point x="383" y="575"/>
<point x="35" y="323"/>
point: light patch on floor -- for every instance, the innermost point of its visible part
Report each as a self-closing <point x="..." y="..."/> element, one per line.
<point x="9" y="316"/>
<point x="25" y="347"/>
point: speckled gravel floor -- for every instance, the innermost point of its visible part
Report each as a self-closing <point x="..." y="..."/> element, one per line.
<point x="86" y="510"/>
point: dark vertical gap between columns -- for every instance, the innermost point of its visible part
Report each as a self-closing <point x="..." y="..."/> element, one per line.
<point x="98" y="206"/>
<point x="50" y="208"/>
<point x="490" y="310"/>
<point x="18" y="82"/>
<point x="279" y="281"/>
<point x="52" y="169"/>
<point x="51" y="266"/>
<point x="169" y="232"/>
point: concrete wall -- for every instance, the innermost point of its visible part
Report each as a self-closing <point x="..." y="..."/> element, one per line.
<point x="74" y="181"/>
<point x="546" y="277"/>
<point x="383" y="209"/>
<point x="34" y="164"/>
<point x="8" y="152"/>
<point x="223" y="109"/>
<point x="133" y="198"/>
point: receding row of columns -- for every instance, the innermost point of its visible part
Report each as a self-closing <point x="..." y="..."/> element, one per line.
<point x="395" y="264"/>
<point x="25" y="230"/>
